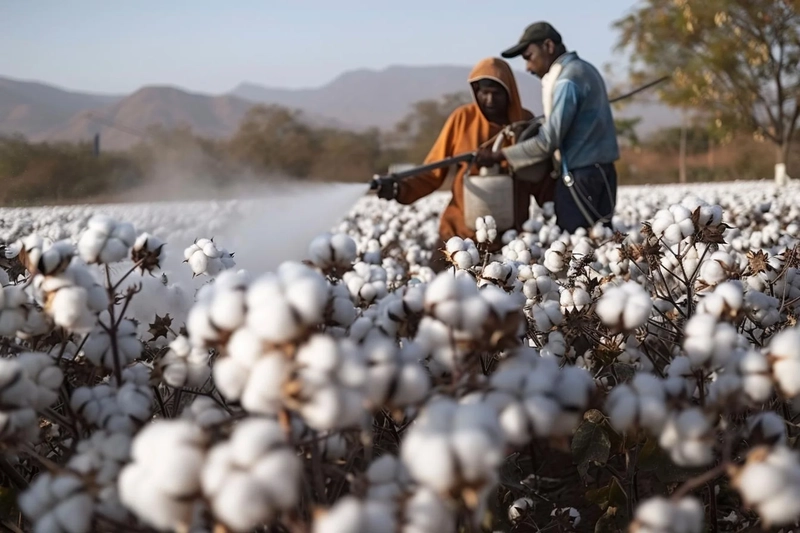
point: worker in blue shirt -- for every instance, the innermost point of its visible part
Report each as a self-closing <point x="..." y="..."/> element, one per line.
<point x="578" y="130"/>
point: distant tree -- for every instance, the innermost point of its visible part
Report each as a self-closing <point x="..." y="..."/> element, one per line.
<point x="273" y="139"/>
<point x="626" y="129"/>
<point x="417" y="132"/>
<point x="736" y="60"/>
<point x="346" y="155"/>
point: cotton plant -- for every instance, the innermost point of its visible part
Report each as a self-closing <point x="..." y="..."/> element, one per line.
<point x="385" y="396"/>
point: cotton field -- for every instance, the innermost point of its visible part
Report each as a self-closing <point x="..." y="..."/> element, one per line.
<point x="160" y="375"/>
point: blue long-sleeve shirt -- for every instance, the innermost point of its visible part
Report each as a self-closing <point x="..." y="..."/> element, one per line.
<point x="580" y="124"/>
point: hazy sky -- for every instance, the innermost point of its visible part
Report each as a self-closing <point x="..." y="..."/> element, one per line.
<point x="211" y="46"/>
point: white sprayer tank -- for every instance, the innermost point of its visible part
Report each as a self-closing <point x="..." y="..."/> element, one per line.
<point x="490" y="193"/>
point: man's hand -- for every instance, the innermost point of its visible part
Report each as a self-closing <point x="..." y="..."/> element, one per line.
<point x="388" y="188"/>
<point x="486" y="158"/>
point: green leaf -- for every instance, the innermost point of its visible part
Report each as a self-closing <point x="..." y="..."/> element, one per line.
<point x="590" y="444"/>
<point x="649" y="456"/>
<point x="623" y="372"/>
<point x="8" y="503"/>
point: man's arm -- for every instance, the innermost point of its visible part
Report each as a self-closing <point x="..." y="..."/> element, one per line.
<point x="552" y="132"/>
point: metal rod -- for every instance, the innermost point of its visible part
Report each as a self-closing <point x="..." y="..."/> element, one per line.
<point x="431" y="166"/>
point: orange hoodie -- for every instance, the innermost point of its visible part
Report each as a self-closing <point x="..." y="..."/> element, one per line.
<point x="465" y="130"/>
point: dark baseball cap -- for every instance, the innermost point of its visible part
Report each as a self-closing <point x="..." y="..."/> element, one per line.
<point x="535" y="33"/>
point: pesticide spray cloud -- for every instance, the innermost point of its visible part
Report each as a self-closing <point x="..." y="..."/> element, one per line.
<point x="285" y="222"/>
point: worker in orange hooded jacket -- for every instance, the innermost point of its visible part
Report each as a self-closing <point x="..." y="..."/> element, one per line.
<point x="496" y="104"/>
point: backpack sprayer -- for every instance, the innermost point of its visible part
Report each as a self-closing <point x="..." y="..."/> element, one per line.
<point x="491" y="192"/>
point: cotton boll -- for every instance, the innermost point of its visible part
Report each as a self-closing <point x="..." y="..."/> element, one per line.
<point x="42" y="371"/>
<point x="252" y="476"/>
<point x="641" y="403"/>
<point x="658" y="514"/>
<point x="762" y="309"/>
<point x="625" y="307"/>
<point x="784" y="352"/>
<point x="72" y="298"/>
<point x="13" y="310"/>
<point x="769" y="483"/>
<point x="767" y="427"/>
<point x="687" y="436"/>
<point x="709" y="342"/>
<point x="555" y="258"/>
<point x="58" y="503"/>
<point x="205" y="412"/>
<point x="206" y="258"/>
<point x="106" y="241"/>
<point x="519" y="508"/>
<point x="160" y="487"/>
<point x="575" y="298"/>
<point x="101" y="351"/>
<point x="184" y="365"/>
<point x="754" y="368"/>
<point x="546" y="315"/>
<point x="451" y="444"/>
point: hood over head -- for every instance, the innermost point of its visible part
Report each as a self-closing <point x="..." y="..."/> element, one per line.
<point x="496" y="69"/>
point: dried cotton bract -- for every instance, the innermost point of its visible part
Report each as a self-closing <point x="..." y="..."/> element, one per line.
<point x="148" y="252"/>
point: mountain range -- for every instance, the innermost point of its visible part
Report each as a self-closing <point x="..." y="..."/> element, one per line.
<point x="354" y="100"/>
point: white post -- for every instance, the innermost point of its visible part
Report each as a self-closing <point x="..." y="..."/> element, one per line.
<point x="781" y="178"/>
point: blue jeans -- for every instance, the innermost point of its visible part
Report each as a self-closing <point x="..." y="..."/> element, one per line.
<point x="590" y="186"/>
